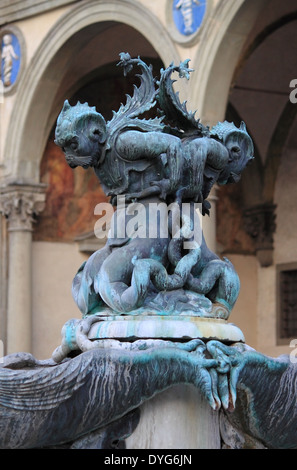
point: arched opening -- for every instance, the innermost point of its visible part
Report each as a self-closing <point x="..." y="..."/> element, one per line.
<point x="254" y="227"/>
<point x="89" y="34"/>
<point x="260" y="97"/>
<point x="222" y="42"/>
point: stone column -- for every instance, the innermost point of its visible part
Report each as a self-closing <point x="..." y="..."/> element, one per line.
<point x="178" y="418"/>
<point x="3" y="284"/>
<point x="20" y="204"/>
<point x="209" y="222"/>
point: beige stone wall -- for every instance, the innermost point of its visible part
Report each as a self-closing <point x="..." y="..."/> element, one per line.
<point x="54" y="267"/>
<point x="34" y="30"/>
<point x="244" y="314"/>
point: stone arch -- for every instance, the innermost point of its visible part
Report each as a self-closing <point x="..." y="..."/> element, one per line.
<point x="41" y="80"/>
<point x="269" y="169"/>
<point x="225" y="36"/>
<point x="221" y="45"/>
<point x="284" y="193"/>
<point x="275" y="149"/>
<point x="263" y="35"/>
<point x="272" y="117"/>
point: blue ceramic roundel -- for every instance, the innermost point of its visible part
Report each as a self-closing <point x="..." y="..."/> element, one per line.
<point x="10" y="59"/>
<point x="188" y="15"/>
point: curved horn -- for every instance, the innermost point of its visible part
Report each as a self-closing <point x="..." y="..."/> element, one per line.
<point x="66" y="105"/>
<point x="243" y="126"/>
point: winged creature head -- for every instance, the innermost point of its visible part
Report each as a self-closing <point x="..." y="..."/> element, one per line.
<point x="81" y="133"/>
<point x="240" y="147"/>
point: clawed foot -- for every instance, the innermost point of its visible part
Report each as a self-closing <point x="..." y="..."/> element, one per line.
<point x="217" y="370"/>
<point x="165" y="187"/>
<point x="202" y="370"/>
<point x="147" y="192"/>
<point x="225" y="375"/>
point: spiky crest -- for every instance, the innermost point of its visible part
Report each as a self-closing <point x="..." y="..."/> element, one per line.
<point x="70" y="115"/>
<point x="176" y="112"/>
<point x="143" y="99"/>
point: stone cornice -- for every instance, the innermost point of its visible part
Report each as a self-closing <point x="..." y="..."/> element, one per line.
<point x="260" y="224"/>
<point x="21" y="9"/>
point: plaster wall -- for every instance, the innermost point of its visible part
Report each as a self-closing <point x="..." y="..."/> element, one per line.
<point x="54" y="267"/>
<point x="266" y="318"/>
<point x="285" y="237"/>
<point x="285" y="242"/>
<point x="36" y="28"/>
<point x="244" y="314"/>
<point x="255" y="311"/>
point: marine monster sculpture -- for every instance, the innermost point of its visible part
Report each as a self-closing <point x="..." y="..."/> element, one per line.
<point x="150" y="160"/>
<point x="92" y="400"/>
<point x="88" y="394"/>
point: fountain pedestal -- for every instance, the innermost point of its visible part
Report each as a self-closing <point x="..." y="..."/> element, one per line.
<point x="178" y="328"/>
<point x="180" y="417"/>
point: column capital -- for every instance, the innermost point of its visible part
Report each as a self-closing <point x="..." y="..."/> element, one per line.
<point x="20" y="203"/>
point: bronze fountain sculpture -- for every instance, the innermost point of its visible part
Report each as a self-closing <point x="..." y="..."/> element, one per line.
<point x="154" y="308"/>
